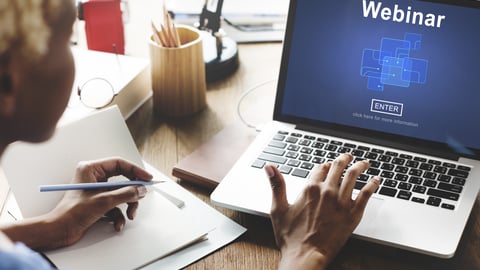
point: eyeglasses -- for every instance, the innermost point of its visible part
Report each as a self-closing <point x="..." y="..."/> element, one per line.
<point x="96" y="93"/>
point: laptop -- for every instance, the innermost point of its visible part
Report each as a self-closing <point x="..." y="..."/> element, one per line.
<point x="394" y="82"/>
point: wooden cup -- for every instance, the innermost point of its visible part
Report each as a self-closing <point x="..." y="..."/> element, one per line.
<point x="178" y="75"/>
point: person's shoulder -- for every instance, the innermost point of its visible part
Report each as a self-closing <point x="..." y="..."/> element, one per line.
<point x="20" y="257"/>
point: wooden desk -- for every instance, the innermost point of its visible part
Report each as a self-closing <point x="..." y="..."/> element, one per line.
<point x="164" y="142"/>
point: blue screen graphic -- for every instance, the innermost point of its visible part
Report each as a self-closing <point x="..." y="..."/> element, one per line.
<point x="408" y="68"/>
<point x="392" y="64"/>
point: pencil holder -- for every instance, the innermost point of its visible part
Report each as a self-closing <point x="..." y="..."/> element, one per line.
<point x="178" y="75"/>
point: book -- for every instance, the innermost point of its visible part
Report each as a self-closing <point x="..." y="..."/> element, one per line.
<point x="208" y="164"/>
<point x="128" y="75"/>
<point x="160" y="229"/>
<point x="103" y="25"/>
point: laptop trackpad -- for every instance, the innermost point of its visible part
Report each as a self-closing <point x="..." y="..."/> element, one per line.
<point x="370" y="216"/>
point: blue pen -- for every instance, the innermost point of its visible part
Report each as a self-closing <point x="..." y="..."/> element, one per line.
<point x="97" y="185"/>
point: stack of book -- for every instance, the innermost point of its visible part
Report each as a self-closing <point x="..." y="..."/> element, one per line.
<point x="129" y="77"/>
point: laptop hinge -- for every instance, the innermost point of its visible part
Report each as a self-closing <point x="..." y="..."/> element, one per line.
<point x="441" y="152"/>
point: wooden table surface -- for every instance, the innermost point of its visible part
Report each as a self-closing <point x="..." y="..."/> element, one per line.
<point x="164" y="142"/>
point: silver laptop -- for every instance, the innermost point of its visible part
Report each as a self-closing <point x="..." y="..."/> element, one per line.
<point x="394" y="82"/>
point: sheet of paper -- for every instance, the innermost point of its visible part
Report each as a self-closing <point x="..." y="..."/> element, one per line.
<point x="224" y="230"/>
<point x="27" y="166"/>
<point x="159" y="228"/>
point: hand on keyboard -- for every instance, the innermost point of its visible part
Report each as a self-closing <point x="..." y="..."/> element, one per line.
<point x="310" y="232"/>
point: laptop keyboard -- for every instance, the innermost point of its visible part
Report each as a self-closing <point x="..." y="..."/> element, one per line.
<point x="404" y="176"/>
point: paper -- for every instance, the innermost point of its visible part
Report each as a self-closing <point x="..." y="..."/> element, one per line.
<point x="243" y="21"/>
<point x="224" y="230"/>
<point x="258" y="7"/>
<point x="27" y="165"/>
<point x="159" y="228"/>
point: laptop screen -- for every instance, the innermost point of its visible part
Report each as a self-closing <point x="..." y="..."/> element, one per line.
<point x="407" y="71"/>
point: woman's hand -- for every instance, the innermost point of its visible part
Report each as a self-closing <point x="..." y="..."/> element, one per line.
<point x="80" y="209"/>
<point x="312" y="231"/>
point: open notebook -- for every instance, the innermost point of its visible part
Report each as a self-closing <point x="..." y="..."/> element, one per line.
<point x="159" y="228"/>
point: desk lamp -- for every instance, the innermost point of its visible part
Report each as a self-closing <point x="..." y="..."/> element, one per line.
<point x="220" y="52"/>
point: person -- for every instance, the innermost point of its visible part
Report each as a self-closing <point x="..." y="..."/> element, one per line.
<point x="36" y="77"/>
<point x="311" y="231"/>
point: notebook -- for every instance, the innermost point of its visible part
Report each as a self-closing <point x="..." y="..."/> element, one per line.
<point x="210" y="162"/>
<point x="148" y="238"/>
<point x="394" y="82"/>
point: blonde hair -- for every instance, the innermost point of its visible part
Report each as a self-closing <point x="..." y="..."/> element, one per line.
<point x="24" y="26"/>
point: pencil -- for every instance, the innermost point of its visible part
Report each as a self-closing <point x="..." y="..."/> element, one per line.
<point x="177" y="36"/>
<point x="169" y="28"/>
<point x="172" y="31"/>
<point x="163" y="38"/>
<point x="97" y="185"/>
<point x="156" y="36"/>
<point x="166" y="35"/>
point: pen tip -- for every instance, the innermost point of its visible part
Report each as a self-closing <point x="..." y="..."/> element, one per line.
<point x="158" y="182"/>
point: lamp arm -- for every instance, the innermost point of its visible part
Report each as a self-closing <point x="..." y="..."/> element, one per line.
<point x="210" y="16"/>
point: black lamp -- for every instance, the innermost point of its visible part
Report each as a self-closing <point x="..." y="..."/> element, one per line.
<point x="220" y="52"/>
